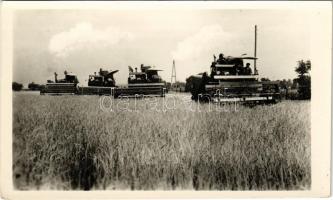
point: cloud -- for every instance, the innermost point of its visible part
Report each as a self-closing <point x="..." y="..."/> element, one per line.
<point x="84" y="35"/>
<point x="194" y="53"/>
<point x="206" y="40"/>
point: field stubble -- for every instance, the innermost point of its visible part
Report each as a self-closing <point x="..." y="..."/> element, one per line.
<point x="69" y="142"/>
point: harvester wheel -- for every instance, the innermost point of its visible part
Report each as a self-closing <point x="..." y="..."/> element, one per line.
<point x="204" y="98"/>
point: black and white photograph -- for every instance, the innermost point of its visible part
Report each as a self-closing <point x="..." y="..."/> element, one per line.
<point x="168" y="98"/>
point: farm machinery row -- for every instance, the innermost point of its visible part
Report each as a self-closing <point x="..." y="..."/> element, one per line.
<point x="229" y="81"/>
<point x="147" y="82"/>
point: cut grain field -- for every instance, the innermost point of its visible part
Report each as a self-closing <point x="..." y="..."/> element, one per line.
<point x="81" y="142"/>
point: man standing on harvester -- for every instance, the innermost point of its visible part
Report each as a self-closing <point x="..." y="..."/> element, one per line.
<point x="221" y="59"/>
<point x="247" y="69"/>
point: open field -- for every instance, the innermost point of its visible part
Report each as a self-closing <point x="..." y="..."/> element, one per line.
<point x="72" y="142"/>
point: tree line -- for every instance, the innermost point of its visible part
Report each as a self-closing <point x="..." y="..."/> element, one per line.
<point x="31" y="86"/>
<point x="298" y="88"/>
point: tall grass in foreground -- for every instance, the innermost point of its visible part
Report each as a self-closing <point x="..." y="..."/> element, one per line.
<point x="68" y="142"/>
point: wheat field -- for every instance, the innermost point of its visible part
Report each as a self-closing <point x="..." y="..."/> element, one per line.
<point x="79" y="143"/>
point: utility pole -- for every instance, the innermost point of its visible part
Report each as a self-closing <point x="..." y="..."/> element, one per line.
<point x="255" y="49"/>
<point x="173" y="74"/>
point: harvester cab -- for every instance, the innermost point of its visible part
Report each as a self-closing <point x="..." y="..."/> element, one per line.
<point x="69" y="78"/>
<point x="147" y="75"/>
<point x="232" y="66"/>
<point x="146" y="82"/>
<point x="67" y="85"/>
<point x="104" y="78"/>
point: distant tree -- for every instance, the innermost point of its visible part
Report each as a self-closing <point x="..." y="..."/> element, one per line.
<point x="303" y="68"/>
<point x="264" y="79"/>
<point x="303" y="80"/>
<point x="17" y="86"/>
<point x="34" y="86"/>
<point x="294" y="84"/>
<point x="285" y="84"/>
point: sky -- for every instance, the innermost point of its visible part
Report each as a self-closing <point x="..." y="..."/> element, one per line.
<point x="83" y="41"/>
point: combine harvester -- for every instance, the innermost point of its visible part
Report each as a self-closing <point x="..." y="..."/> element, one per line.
<point x="68" y="85"/>
<point x="102" y="83"/>
<point x="146" y="83"/>
<point x="231" y="81"/>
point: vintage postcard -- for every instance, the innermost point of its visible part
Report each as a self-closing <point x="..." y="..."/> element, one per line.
<point x="165" y="99"/>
